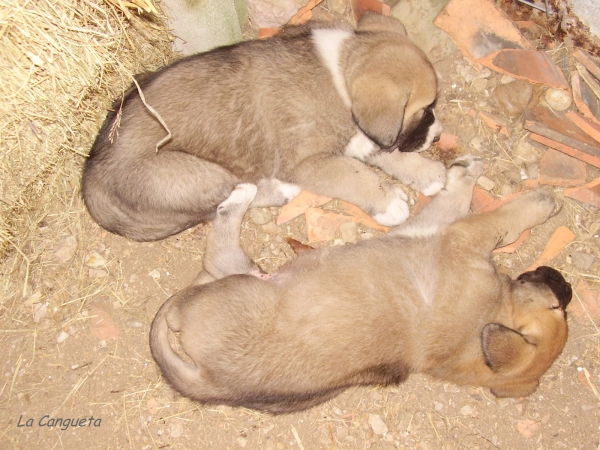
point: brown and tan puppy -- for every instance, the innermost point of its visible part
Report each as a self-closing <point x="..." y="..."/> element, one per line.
<point x="425" y="298"/>
<point x="307" y="109"/>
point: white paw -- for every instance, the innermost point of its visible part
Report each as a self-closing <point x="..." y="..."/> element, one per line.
<point x="243" y="193"/>
<point x="433" y="188"/>
<point x="288" y="190"/>
<point x="396" y="213"/>
<point x="359" y="147"/>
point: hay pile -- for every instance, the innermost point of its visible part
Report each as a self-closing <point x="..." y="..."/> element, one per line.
<point x="63" y="63"/>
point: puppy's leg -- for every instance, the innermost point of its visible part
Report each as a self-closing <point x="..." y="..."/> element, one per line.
<point x="411" y="169"/>
<point x="351" y="180"/>
<point x="274" y="192"/>
<point x="451" y="204"/>
<point x="224" y="255"/>
<point x="504" y="225"/>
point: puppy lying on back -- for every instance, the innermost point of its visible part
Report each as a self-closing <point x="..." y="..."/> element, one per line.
<point x="309" y="108"/>
<point x="425" y="298"/>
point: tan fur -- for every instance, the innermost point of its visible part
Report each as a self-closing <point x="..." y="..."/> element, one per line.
<point x="264" y="112"/>
<point x="424" y="299"/>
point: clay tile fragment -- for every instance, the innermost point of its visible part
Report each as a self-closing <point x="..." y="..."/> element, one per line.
<point x="496" y="123"/>
<point x="478" y="28"/>
<point x="590" y="159"/>
<point x="558" y="169"/>
<point x="559" y="240"/>
<point x="588" y="193"/>
<point x="588" y="126"/>
<point x="447" y="142"/>
<point x="299" y="204"/>
<point x="556" y="126"/>
<point x="323" y="225"/>
<point x="579" y="100"/>
<point x="530" y="65"/>
<point x="361" y="6"/>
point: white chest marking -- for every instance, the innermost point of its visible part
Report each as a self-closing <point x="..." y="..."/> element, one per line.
<point x="329" y="44"/>
<point x="360" y="147"/>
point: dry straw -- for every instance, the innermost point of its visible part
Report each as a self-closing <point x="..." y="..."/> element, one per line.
<point x="62" y="64"/>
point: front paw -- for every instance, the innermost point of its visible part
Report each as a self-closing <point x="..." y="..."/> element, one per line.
<point x="429" y="179"/>
<point x="396" y="211"/>
<point x="467" y="167"/>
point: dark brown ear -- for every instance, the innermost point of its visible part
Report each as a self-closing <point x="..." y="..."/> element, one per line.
<point x="371" y="21"/>
<point x="505" y="349"/>
<point x="378" y="108"/>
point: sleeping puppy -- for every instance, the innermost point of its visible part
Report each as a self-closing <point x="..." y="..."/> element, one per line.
<point x="424" y="299"/>
<point x="309" y="108"/>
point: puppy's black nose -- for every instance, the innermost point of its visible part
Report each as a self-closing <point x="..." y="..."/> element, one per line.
<point x="554" y="280"/>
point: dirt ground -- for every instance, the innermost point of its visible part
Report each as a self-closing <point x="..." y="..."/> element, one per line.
<point x="54" y="367"/>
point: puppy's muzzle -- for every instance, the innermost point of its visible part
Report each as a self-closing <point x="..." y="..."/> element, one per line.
<point x="554" y="280"/>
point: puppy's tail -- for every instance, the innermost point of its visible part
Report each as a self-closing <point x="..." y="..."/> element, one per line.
<point x="184" y="377"/>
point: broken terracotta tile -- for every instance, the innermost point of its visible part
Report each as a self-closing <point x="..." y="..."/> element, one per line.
<point x="422" y="200"/>
<point x="579" y="100"/>
<point x="585" y="157"/>
<point x="102" y="325"/>
<point x="527" y="185"/>
<point x="361" y="6"/>
<point x="498" y="202"/>
<point x="529" y="26"/>
<point x="478" y="28"/>
<point x="511" y="248"/>
<point x="555" y="125"/>
<point x="559" y="240"/>
<point x="587" y="62"/>
<point x="264" y="33"/>
<point x="447" y="142"/>
<point x="299" y="204"/>
<point x="586" y="302"/>
<point x="589" y="127"/>
<point x="496" y="123"/>
<point x="530" y="65"/>
<point x="480" y="199"/>
<point x="297" y="246"/>
<point x="304" y="14"/>
<point x="589" y="79"/>
<point x="558" y="169"/>
<point x="323" y="225"/>
<point x="359" y="216"/>
<point x="588" y="193"/>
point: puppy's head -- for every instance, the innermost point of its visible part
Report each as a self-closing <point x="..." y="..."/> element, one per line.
<point x="520" y="351"/>
<point x="394" y="88"/>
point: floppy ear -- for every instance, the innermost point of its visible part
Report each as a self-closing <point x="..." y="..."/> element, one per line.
<point x="371" y="21"/>
<point x="505" y="349"/>
<point x="378" y="108"/>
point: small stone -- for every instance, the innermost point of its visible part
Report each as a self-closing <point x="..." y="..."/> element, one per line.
<point x="479" y="84"/>
<point x="133" y="323"/>
<point x="467" y="410"/>
<point x="506" y="79"/>
<point x="486" y="183"/>
<point x="175" y="429"/>
<point x="377" y="425"/>
<point x="241" y="441"/>
<point x="62" y="336"/>
<point x="513" y="97"/>
<point x="66" y="249"/>
<point x="349" y="232"/>
<point x="95" y="260"/>
<point x="365" y="236"/>
<point x="506" y="189"/>
<point x="582" y="261"/>
<point x="97" y="273"/>
<point x="484" y="73"/>
<point x="39" y="312"/>
<point x="526" y="152"/>
<point x="338" y="411"/>
<point x="260" y="216"/>
<point x="467" y="72"/>
<point x="558" y="99"/>
<point x="477" y="143"/>
<point x="270" y="228"/>
<point x="154" y="273"/>
<point x="532" y="171"/>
